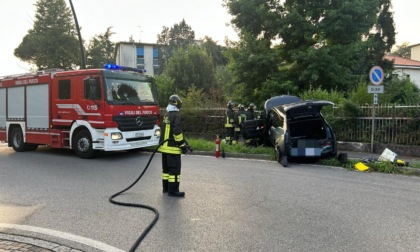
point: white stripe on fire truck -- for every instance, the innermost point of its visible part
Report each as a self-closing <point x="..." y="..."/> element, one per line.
<point x="96" y="122"/>
<point x="59" y="120"/>
<point x="77" y="108"/>
<point x="69" y="121"/>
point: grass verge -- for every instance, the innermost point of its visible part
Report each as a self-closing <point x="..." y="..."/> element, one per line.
<point x="199" y="144"/>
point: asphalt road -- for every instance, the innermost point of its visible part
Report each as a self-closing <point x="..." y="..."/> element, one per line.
<point x="230" y="204"/>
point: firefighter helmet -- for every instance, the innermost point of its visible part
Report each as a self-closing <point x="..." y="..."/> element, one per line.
<point x="176" y="101"/>
<point x="252" y="106"/>
<point x="230" y="104"/>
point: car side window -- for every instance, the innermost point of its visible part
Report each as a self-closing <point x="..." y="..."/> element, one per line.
<point x="277" y="121"/>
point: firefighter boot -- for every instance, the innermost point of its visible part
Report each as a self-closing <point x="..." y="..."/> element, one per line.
<point x="174" y="190"/>
<point x="165" y="182"/>
<point x="165" y="186"/>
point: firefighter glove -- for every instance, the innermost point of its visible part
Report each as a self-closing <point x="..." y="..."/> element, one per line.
<point x="184" y="149"/>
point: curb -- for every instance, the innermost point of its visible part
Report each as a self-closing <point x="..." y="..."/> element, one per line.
<point x="233" y="155"/>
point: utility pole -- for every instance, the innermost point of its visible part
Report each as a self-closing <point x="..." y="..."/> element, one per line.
<point x="140" y="33"/>
<point x="82" y="51"/>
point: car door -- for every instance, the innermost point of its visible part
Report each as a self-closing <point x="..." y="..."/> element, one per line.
<point x="276" y="129"/>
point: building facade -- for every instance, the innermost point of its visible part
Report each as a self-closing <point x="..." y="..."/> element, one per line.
<point x="406" y="68"/>
<point x="138" y="55"/>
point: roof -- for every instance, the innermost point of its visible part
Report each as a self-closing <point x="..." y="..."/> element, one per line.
<point x="400" y="61"/>
<point x="413" y="45"/>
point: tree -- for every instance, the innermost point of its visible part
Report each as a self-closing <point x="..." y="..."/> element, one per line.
<point x="325" y="43"/>
<point x="171" y="39"/>
<point x="190" y="66"/>
<point x="255" y="68"/>
<point x="100" y="50"/>
<point x="52" y="42"/>
<point x="215" y="51"/>
<point x="165" y="86"/>
<point x="402" y="50"/>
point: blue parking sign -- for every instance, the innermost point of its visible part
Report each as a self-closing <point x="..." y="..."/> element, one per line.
<point x="376" y="75"/>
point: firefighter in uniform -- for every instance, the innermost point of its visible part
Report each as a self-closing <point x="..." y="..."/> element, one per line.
<point x="171" y="150"/>
<point x="239" y="117"/>
<point x="250" y="113"/>
<point x="229" y="122"/>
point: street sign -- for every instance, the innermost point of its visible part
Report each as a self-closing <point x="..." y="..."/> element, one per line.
<point x="372" y="89"/>
<point x="375" y="99"/>
<point x="376" y="75"/>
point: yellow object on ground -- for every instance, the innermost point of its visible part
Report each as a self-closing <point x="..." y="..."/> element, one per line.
<point x="400" y="162"/>
<point x="361" y="166"/>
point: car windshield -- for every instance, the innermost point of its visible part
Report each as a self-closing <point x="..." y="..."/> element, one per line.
<point x="121" y="91"/>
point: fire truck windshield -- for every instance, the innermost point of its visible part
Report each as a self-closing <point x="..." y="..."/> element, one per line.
<point x="134" y="92"/>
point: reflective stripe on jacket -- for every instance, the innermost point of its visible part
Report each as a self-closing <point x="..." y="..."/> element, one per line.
<point x="229" y="118"/>
<point x="172" y="130"/>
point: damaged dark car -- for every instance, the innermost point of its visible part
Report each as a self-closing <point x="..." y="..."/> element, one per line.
<point x="295" y="128"/>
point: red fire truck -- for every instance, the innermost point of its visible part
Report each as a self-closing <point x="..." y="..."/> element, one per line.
<point x="89" y="110"/>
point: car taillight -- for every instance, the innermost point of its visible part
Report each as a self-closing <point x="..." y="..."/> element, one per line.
<point x="326" y="144"/>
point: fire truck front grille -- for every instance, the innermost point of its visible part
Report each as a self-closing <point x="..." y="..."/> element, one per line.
<point x="132" y="123"/>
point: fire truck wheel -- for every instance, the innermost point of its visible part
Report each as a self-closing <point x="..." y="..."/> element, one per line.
<point x="17" y="140"/>
<point x="83" y="144"/>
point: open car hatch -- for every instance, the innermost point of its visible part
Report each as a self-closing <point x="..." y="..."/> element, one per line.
<point x="304" y="108"/>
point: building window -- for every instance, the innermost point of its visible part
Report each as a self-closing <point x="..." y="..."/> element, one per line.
<point x="140" y="57"/>
<point x="155" y="57"/>
<point x="64" y="89"/>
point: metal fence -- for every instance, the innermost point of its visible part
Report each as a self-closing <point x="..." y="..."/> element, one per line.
<point x="393" y="124"/>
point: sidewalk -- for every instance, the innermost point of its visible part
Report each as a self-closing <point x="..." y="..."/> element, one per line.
<point x="16" y="243"/>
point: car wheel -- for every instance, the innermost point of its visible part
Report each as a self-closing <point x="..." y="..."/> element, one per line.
<point x="284" y="162"/>
<point x="280" y="158"/>
<point x="83" y="144"/>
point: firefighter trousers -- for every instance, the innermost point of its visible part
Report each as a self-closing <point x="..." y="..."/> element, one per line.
<point x="171" y="171"/>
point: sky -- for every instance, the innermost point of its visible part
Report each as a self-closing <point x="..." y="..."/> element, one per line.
<point x="144" y="20"/>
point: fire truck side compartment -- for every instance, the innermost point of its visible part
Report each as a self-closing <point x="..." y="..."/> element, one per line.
<point x="37" y="109"/>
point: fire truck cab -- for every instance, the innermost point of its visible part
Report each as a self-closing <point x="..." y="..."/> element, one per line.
<point x="91" y="110"/>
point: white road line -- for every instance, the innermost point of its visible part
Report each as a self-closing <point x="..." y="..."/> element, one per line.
<point x="67" y="236"/>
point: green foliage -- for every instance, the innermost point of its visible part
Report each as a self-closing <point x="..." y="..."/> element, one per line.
<point x="360" y="96"/>
<point x="100" y="50"/>
<point x="165" y="87"/>
<point x="254" y="65"/>
<point x="52" y="42"/>
<point x="351" y="110"/>
<point x="171" y="39"/>
<point x="206" y="145"/>
<point x="215" y="51"/>
<point x="195" y="98"/>
<point x="385" y="167"/>
<point x="402" y="50"/>
<point x="400" y="91"/>
<point x="415" y="164"/>
<point x="190" y="66"/>
<point x="322" y="94"/>
<point x="327" y="44"/>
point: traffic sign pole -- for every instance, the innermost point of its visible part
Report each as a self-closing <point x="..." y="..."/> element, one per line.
<point x="376" y="76"/>
<point x="373" y="124"/>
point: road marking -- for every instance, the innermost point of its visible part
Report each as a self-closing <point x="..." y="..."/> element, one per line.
<point x="67" y="236"/>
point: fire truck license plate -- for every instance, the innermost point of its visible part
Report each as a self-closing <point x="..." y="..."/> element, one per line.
<point x="139" y="134"/>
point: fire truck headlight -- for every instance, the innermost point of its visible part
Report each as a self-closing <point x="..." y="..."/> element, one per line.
<point x="157" y="132"/>
<point x="116" y="136"/>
